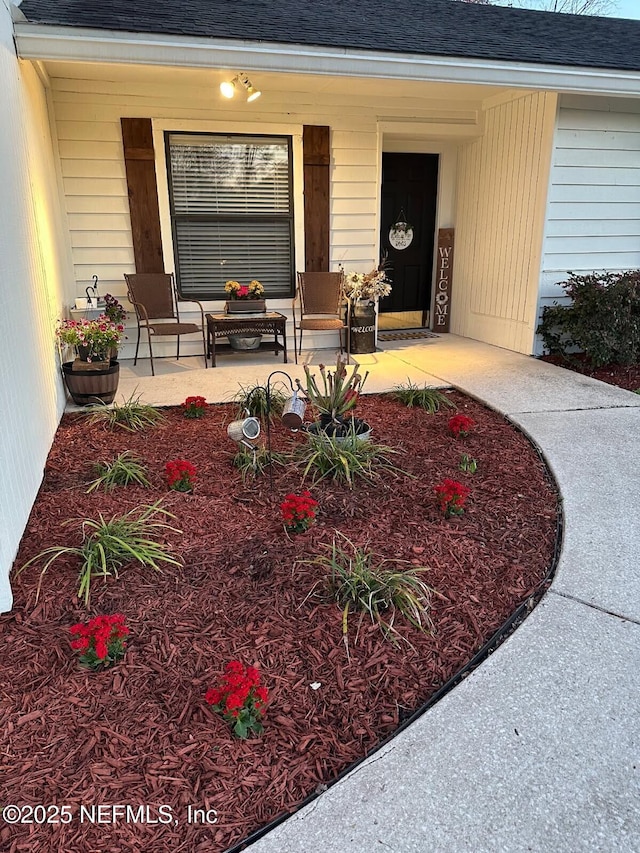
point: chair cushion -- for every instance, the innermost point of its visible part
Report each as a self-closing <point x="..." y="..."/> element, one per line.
<point x="173" y="328"/>
<point x="321" y="323"/>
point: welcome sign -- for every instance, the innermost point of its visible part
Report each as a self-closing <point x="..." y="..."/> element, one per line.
<point x="444" y="279"/>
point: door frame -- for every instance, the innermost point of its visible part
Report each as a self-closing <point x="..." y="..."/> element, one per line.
<point x="446" y="186"/>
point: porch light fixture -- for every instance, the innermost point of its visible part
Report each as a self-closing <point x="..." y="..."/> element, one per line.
<point x="228" y="87"/>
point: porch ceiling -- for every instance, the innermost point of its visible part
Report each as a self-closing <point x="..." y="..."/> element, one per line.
<point x="464" y="95"/>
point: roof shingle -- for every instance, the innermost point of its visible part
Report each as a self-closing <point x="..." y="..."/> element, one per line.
<point x="425" y="27"/>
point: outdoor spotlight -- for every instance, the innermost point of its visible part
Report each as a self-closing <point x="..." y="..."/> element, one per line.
<point x="252" y="94"/>
<point x="228" y="88"/>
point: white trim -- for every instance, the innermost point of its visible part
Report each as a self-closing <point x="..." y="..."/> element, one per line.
<point x="40" y="41"/>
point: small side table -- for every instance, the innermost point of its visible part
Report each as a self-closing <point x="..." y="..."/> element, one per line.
<point x="269" y="323"/>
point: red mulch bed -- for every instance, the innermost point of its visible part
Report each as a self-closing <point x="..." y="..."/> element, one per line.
<point x="141" y="733"/>
<point x="623" y="375"/>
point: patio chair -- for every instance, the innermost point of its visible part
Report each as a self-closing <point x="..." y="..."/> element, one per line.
<point x="320" y="297"/>
<point x="154" y="297"/>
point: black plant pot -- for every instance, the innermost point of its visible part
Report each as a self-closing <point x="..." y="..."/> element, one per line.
<point x="341" y="429"/>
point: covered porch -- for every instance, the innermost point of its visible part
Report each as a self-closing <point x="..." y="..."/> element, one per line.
<point x="488" y="147"/>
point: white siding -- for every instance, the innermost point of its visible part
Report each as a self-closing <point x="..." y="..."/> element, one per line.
<point x="88" y="116"/>
<point x="502" y="184"/>
<point x="593" y="213"/>
<point x="31" y="394"/>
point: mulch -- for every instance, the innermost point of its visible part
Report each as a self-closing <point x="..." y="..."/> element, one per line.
<point x="623" y="375"/>
<point x="141" y="733"/>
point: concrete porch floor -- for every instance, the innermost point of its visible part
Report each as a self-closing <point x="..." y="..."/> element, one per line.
<point x="538" y="749"/>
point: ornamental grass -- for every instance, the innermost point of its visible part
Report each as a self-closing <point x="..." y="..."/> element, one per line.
<point x="132" y="415"/>
<point x="343" y="459"/>
<point x="429" y="399"/>
<point x="125" y="470"/>
<point x="110" y="545"/>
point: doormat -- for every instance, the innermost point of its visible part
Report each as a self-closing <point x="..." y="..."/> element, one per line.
<point x="405" y="335"/>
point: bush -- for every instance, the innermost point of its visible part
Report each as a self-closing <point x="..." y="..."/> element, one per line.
<point x="123" y="471"/>
<point x="603" y="320"/>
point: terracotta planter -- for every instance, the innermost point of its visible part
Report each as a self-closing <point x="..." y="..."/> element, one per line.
<point x="91" y="386"/>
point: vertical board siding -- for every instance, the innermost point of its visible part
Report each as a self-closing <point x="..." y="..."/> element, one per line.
<point x="501" y="191"/>
<point x="31" y="394"/>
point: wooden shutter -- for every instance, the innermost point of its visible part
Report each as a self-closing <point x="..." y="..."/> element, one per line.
<point x="316" y="146"/>
<point x="139" y="159"/>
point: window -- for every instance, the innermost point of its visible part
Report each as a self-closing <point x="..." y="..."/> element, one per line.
<point x="231" y="212"/>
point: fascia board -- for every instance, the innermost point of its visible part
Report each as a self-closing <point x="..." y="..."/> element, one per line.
<point x="44" y="42"/>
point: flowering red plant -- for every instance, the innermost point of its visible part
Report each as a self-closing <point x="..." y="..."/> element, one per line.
<point x="452" y="496"/>
<point x="101" y="641"/>
<point x="298" y="512"/>
<point x="194" y="407"/>
<point x="180" y="475"/>
<point x="240" y="698"/>
<point x="460" y="425"/>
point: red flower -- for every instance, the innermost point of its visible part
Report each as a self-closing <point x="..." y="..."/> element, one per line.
<point x="460" y="425"/>
<point x="452" y="496"/>
<point x="298" y="512"/>
<point x="239" y="696"/>
<point x="101" y="640"/>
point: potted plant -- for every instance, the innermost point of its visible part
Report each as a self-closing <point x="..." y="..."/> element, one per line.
<point x="245" y="298"/>
<point x="335" y="398"/>
<point x="94" y="375"/>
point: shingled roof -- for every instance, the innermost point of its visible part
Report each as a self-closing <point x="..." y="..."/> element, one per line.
<point x="426" y="27"/>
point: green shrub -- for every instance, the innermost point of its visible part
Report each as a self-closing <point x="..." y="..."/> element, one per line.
<point x="603" y="320"/>
<point x="429" y="399"/>
<point x="109" y="545"/>
<point x="358" y="581"/>
<point x="123" y="471"/>
<point x="343" y="459"/>
<point x="132" y="415"/>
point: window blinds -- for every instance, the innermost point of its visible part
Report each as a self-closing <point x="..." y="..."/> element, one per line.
<point x="231" y="212"/>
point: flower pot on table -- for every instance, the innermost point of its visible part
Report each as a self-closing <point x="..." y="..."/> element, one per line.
<point x="245" y="306"/>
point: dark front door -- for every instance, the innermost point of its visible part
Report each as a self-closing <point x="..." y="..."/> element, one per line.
<point x="409" y="188"/>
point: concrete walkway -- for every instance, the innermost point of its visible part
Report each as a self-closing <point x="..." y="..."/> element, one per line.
<point x="538" y="749"/>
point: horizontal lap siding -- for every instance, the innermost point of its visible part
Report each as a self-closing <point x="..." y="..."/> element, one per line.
<point x="31" y="295"/>
<point x="593" y="214"/>
<point x="502" y="183"/>
<point x="88" y="125"/>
